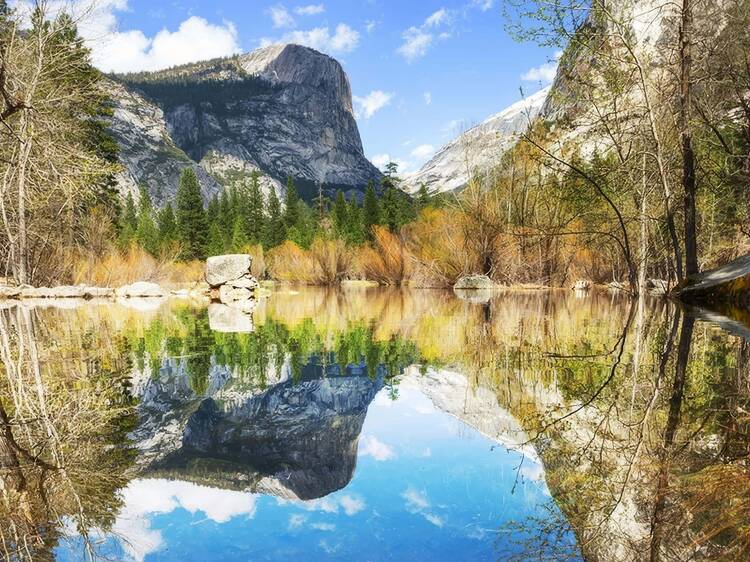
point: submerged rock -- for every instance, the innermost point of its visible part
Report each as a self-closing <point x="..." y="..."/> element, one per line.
<point x="474" y="282"/>
<point x="140" y="289"/>
<point x="9" y="292"/>
<point x="229" y="319"/>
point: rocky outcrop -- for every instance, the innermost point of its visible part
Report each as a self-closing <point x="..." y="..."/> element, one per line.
<point x="230" y="279"/>
<point x="226" y="268"/>
<point x="283" y="110"/>
<point x="479" y="149"/>
<point x="296" y="440"/>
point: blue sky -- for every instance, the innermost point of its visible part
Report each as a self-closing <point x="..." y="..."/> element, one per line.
<point x="420" y="71"/>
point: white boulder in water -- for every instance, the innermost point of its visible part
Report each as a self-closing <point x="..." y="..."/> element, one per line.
<point x="140" y="289"/>
<point x="228" y="319"/>
<point x="223" y="269"/>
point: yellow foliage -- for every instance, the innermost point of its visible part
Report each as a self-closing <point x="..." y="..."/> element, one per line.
<point x="288" y="262"/>
<point x="327" y="262"/>
<point x="388" y="262"/>
<point x="115" y="268"/>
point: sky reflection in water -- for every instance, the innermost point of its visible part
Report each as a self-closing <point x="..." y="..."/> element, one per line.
<point x="426" y="485"/>
<point x="375" y="425"/>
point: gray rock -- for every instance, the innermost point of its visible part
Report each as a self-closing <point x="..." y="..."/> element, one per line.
<point x="230" y="267"/>
<point x="294" y="117"/>
<point x="228" y="319"/>
<point x="140" y="289"/>
<point x="98" y="292"/>
<point x="228" y="294"/>
<point x="61" y="292"/>
<point x="244" y="282"/>
<point x="474" y="282"/>
<point x="9" y="292"/>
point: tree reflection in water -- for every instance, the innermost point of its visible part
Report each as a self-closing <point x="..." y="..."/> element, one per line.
<point x="62" y="404"/>
<point x="638" y="412"/>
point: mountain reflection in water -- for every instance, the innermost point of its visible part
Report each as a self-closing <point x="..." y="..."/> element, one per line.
<point x="376" y="424"/>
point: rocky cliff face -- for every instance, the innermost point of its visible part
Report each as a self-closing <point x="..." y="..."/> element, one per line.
<point x="284" y="110"/>
<point x="477" y="150"/>
<point x="293" y="439"/>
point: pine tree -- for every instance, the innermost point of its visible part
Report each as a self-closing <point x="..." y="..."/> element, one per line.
<point x="390" y="176"/>
<point x="192" y="226"/>
<point x="304" y="231"/>
<point x="390" y="209"/>
<point x="215" y="245"/>
<point x="371" y="214"/>
<point x="407" y="211"/>
<point x="274" y="234"/>
<point x="291" y="210"/>
<point x="339" y="215"/>
<point x="167" y="227"/>
<point x="354" y="228"/>
<point x="424" y="198"/>
<point x="255" y="212"/>
<point x="226" y="214"/>
<point x="146" y="233"/>
<point x="239" y="241"/>
<point x="128" y="222"/>
<point x="212" y="212"/>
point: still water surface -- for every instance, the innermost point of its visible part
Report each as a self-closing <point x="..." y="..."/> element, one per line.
<point x="374" y="425"/>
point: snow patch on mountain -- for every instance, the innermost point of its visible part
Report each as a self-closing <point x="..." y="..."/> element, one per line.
<point x="478" y="149"/>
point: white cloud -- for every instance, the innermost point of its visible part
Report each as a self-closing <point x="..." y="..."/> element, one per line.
<point x="483" y="5"/>
<point x="544" y="73"/>
<point x="310" y="10"/>
<point x="195" y="39"/>
<point x="423" y="151"/>
<point x="418" y="503"/>
<point x="365" y="107"/>
<point x="416" y="44"/>
<point x="371" y="446"/>
<point x="296" y="521"/>
<point x="427" y="98"/>
<point x="343" y="40"/>
<point x="417" y="40"/>
<point x="370" y="26"/>
<point x="415" y="500"/>
<point x="404" y="166"/>
<point x="437" y="18"/>
<point x="324" y="526"/>
<point x="351" y="505"/>
<point x="113" y="50"/>
<point x="434" y="519"/>
<point x="280" y="17"/>
<point x="143" y="498"/>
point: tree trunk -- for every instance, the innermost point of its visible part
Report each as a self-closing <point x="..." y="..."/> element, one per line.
<point x="688" y="155"/>
<point x="21" y="240"/>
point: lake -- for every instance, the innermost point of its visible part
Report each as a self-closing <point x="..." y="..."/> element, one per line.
<point x="375" y="424"/>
